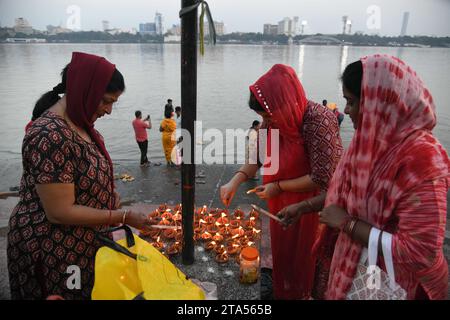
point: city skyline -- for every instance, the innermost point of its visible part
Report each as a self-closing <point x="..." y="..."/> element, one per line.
<point x="384" y="19"/>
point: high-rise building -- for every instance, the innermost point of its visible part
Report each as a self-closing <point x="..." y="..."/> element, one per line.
<point x="404" y="23"/>
<point x="159" y="23"/>
<point x="22" y="26"/>
<point x="288" y="26"/>
<point x="147" y="28"/>
<point x="218" y="26"/>
<point x="270" y="29"/>
<point x="105" y="24"/>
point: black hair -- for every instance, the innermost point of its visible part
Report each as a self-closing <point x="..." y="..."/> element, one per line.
<point x="138" y="114"/>
<point x="324" y="102"/>
<point x="178" y="108"/>
<point x="169" y="100"/>
<point x="168" y="113"/>
<point x="254" y="104"/>
<point x="255" y="123"/>
<point x="48" y="99"/>
<point x="352" y="78"/>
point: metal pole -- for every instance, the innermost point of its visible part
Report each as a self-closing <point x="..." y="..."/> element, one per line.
<point x="189" y="104"/>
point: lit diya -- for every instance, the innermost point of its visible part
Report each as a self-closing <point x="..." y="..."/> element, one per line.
<point x="233" y="248"/>
<point x="206" y="236"/>
<point x="200" y="229"/>
<point x="167" y="215"/>
<point x="222" y="258"/>
<point x="250" y="224"/>
<point x="164" y="222"/>
<point x="223" y="219"/>
<point x="212" y="228"/>
<point x="158" y="244"/>
<point x="210" y="245"/>
<point x="214" y="212"/>
<point x="254" y="214"/>
<point x="236" y="223"/>
<point x="170" y="233"/>
<point x="219" y="249"/>
<point x="197" y="236"/>
<point x="238" y="214"/>
<point x="174" y="249"/>
<point x="217" y="237"/>
<point x="210" y="219"/>
<point x="237" y="232"/>
<point x="177" y="216"/>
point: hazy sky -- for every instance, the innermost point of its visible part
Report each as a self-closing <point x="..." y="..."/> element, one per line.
<point x="427" y="17"/>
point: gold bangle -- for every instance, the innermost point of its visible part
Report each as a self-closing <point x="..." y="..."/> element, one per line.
<point x="124" y="216"/>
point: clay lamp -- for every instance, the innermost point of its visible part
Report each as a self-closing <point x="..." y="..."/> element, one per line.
<point x="174" y="249"/>
<point x="170" y="233"/>
<point x="217" y="237"/>
<point x="236" y="223"/>
<point x="222" y="220"/>
<point x="254" y="214"/>
<point x="212" y="228"/>
<point x="164" y="222"/>
<point x="210" y="245"/>
<point x="200" y="229"/>
<point x="197" y="236"/>
<point x="238" y="232"/>
<point x="250" y="224"/>
<point x="209" y="219"/>
<point x="167" y="215"/>
<point x="158" y="244"/>
<point x="238" y="214"/>
<point x="206" y="236"/>
<point x="233" y="248"/>
<point x="223" y="257"/>
<point x="219" y="249"/>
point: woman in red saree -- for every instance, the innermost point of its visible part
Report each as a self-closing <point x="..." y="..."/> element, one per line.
<point x="309" y="148"/>
<point x="393" y="177"/>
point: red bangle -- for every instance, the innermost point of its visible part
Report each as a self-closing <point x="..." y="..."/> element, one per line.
<point x="279" y="187"/>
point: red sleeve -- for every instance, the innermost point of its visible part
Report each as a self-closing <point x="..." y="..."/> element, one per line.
<point x="417" y="244"/>
<point x="323" y="143"/>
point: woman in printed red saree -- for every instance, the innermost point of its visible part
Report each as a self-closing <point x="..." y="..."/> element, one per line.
<point x="400" y="185"/>
<point x="309" y="148"/>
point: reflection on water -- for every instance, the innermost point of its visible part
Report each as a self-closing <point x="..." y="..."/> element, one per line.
<point x="152" y="74"/>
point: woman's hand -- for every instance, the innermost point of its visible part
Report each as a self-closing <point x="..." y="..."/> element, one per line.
<point x="333" y="216"/>
<point x="138" y="220"/>
<point x="289" y="215"/>
<point x="268" y="191"/>
<point x="227" y="192"/>
<point x="117" y="204"/>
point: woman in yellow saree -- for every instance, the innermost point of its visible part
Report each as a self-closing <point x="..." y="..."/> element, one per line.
<point x="168" y="127"/>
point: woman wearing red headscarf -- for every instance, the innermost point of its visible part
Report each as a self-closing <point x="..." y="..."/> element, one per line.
<point x="309" y="149"/>
<point x="393" y="177"/>
<point x="67" y="190"/>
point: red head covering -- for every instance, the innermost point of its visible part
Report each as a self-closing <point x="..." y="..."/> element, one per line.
<point x="280" y="93"/>
<point x="87" y="78"/>
<point x="392" y="151"/>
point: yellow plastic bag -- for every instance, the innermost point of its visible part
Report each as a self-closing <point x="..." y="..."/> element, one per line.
<point x="150" y="274"/>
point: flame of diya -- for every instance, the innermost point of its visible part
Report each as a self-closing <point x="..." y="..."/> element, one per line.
<point x="222" y="220"/>
<point x="223" y="257"/>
